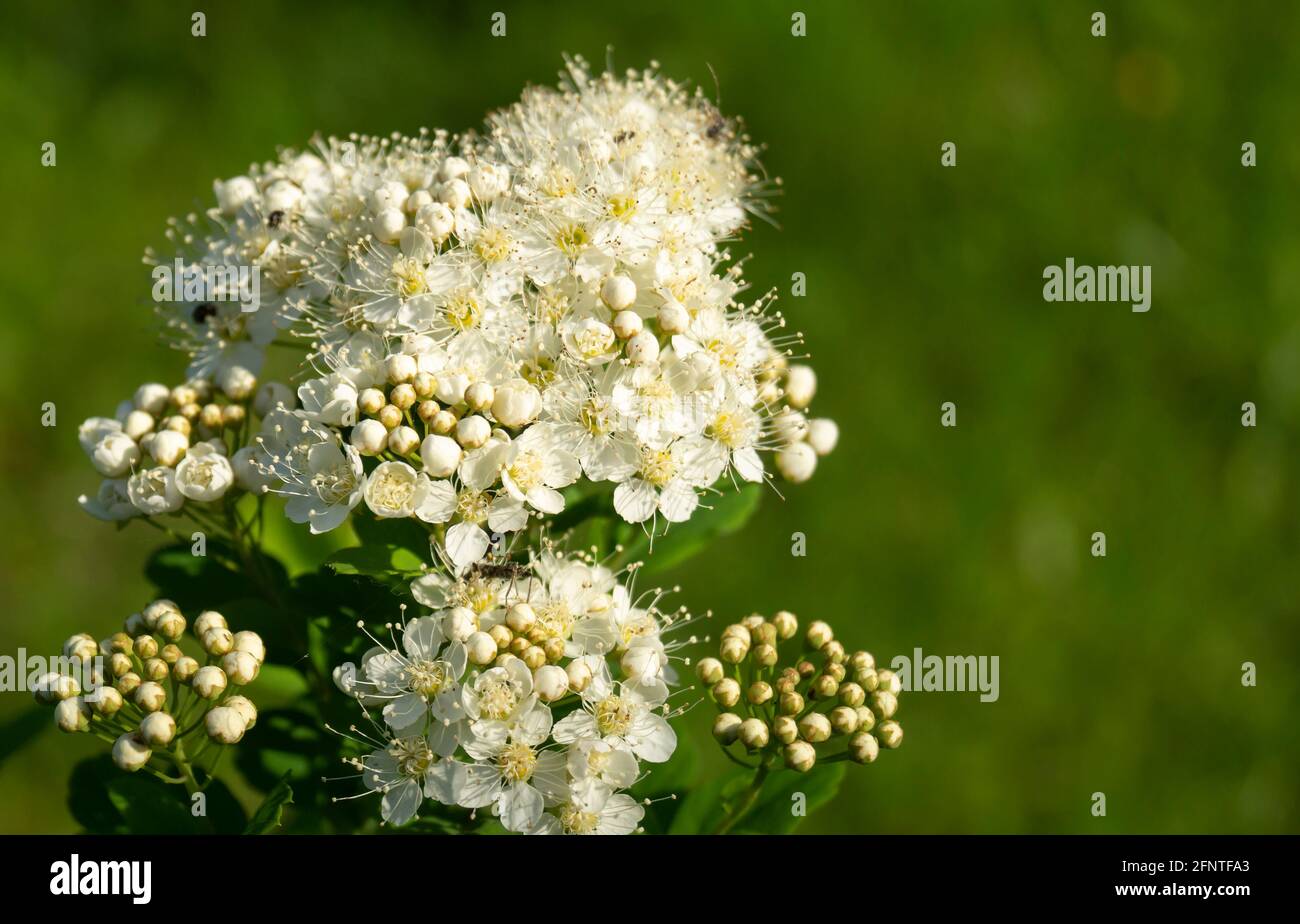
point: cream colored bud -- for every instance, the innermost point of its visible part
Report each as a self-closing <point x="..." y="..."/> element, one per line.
<point x="240" y="667"/>
<point x="156" y="669"/>
<point x="759" y="692"/>
<point x="440" y="455"/>
<point x="401" y="368"/>
<point x="785" y="729"/>
<point x="765" y="655"/>
<point x="145" y="646"/>
<point x="251" y="643"/>
<point x="371" y="401"/>
<point x="128" y="683"/>
<point x="479" y="396"/>
<point x="168" y="447"/>
<point x="709" y="670"/>
<point x="726" y="728"/>
<point x="791" y="703"/>
<point x="866" y="718"/>
<point x="444" y="422"/>
<point x="814" y="727"/>
<point x="765" y="633"/>
<point x="130" y="752"/>
<point x="800" y="756"/>
<point x="833" y="651"/>
<point x="209" y="681"/>
<point x="72" y="715"/>
<point x="521" y="617"/>
<point x="534" y="656"/>
<point x="184" y="669"/>
<point x="726" y="692"/>
<point x="844" y="720"/>
<point x="733" y="649"/>
<point x="868" y="679"/>
<point x="890" y="734"/>
<point x="800" y="386"/>
<point x="137" y="424"/>
<point x="888" y="681"/>
<point x="643" y="349"/>
<point x="481" y="648"/>
<point x="754" y="734"/>
<point x="150" y="696"/>
<point x="550" y="682"/>
<point x="224" y="725"/>
<point x="473" y="431"/>
<point x="81" y="646"/>
<point x="425" y="385"/>
<point x="786" y="624"/>
<point x="618" y="292"/>
<point x="818" y="634"/>
<point x="209" y="619"/>
<point x="884" y="704"/>
<point x="390" y="415"/>
<point x="554" y="648"/>
<point x="579" y="674"/>
<point x="740" y="631"/>
<point x="403" y="397"/>
<point x="171" y="626"/>
<point x="627" y="324"/>
<point x="244" y="706"/>
<point x="863" y="748"/>
<point x="823" y="435"/>
<point x="459" y="623"/>
<point x="218" y="641"/>
<point x="158" y="729"/>
<point x="851" y="694"/>
<point x="796" y="462"/>
<point x="106" y="701"/>
<point x="861" y="661"/>
<point x="825" y="686"/>
<point x="502" y="636"/>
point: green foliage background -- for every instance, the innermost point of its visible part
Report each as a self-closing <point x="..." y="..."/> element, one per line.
<point x="1119" y="675"/>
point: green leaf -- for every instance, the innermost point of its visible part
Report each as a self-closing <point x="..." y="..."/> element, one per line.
<point x="704" y="807"/>
<point x="267" y="816"/>
<point x="206" y="581"/>
<point x="375" y="560"/>
<point x="667" y="786"/>
<point x="680" y="541"/>
<point x="24" y="728"/>
<point x="106" y="800"/>
<point x="773" y="811"/>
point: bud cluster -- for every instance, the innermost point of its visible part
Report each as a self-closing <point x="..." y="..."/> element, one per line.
<point x="164" y="446"/>
<point x="802" y="709"/>
<point x="147" y="695"/>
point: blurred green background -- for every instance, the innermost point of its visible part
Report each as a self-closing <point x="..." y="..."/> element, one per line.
<point x="1120" y="675"/>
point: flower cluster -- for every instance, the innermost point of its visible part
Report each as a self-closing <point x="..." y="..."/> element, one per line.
<point x="533" y="689"/>
<point x="493" y="317"/>
<point x="799" y="707"/>
<point x="140" y="690"/>
<point x="165" y="447"/>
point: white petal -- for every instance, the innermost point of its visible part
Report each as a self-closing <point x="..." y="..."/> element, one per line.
<point x="466" y="543"/>
<point x="635" y="500"/>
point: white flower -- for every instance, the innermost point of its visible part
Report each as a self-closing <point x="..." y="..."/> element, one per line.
<point x="111" y="502"/>
<point x="204" y="474"/>
<point x="405" y="772"/>
<point x="418" y="683"/>
<point x="328" y="489"/>
<point x="668" y="479"/>
<point x="395" y="489"/>
<point x="154" y="492"/>
<point x="515" y="780"/>
<point x="591" y="808"/>
<point x="115" y="454"/>
<point x="330" y="400"/>
<point x="623" y="717"/>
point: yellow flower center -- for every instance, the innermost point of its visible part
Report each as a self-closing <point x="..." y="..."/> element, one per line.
<point x="427" y="677"/>
<point x="657" y="467"/>
<point x="517" y="762"/>
<point x="493" y="245"/>
<point x="576" y="821"/>
<point x="497" y="699"/>
<point x="613" y="716"/>
<point x="571" y="239"/>
<point x="462" y="310"/>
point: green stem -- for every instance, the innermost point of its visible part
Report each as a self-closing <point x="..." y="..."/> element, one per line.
<point x="746" y="800"/>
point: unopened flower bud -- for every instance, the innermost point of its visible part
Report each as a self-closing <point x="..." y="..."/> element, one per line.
<point x="818" y="634"/>
<point x="786" y="624"/>
<point x="473" y="431"/>
<point x="888" y="681"/>
<point x="128" y="683"/>
<point x="521" y="617"/>
<point x="866" y="718"/>
<point x="106" y="701"/>
<point x="791" y="703"/>
<point x="726" y="692"/>
<point x="150" y="696"/>
<point x="844" y="720"/>
<point x="209" y="681"/>
<point x="145" y="646"/>
<point x="643" y="348"/>
<point x="785" y="729"/>
<point x="833" y="651"/>
<point x="481" y="648"/>
<point x="765" y="655"/>
<point x="460" y="623"/>
<point x="444" y="422"/>
<point x="390" y="415"/>
<point x="240" y="667"/>
<point x="158" y="729"/>
<point x="156" y="669"/>
<point x="502" y="635"/>
<point x="534" y="656"/>
<point x="217" y="641"/>
<point x="673" y="318"/>
<point x="369" y="437"/>
<point x="400" y="367"/>
<point x="709" y="670"/>
<point x="868" y="679"/>
<point x="224" y="725"/>
<point x="796" y="462"/>
<point x="814" y="727"/>
<point x="550" y="682"/>
<point x="823" y="434"/>
<point x="209" y="619"/>
<point x="800" y="386"/>
<point x="863" y="747"/>
<point x="618" y="292"/>
<point x="171" y="626"/>
<point x="627" y="324"/>
<point x="403" y="397"/>
<point x="884" y="704"/>
<point x="251" y="643"/>
<point x="130" y="752"/>
<point x="825" y="686"/>
<point x="759" y="692"/>
<point x="579" y="673"/>
<point x="851" y="694"/>
<point x="726" y="728"/>
<point x="800" y="756"/>
<point x="554" y="648"/>
<point x="754" y="734"/>
<point x="890" y="734"/>
<point x="72" y="715"/>
<point x="733" y="649"/>
<point x="244" y="706"/>
<point x="403" y="441"/>
<point x="516" y="404"/>
<point x="184" y="669"/>
<point x="371" y="401"/>
<point x="425" y="385"/>
<point x="765" y="634"/>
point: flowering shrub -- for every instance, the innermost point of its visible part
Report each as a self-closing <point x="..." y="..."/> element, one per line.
<point x="522" y="361"/>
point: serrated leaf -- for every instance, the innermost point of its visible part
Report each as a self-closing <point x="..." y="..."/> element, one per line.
<point x="268" y="814"/>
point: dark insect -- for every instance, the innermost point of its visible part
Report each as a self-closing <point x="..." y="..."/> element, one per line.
<point x="716" y="127"/>
<point x="502" y="570"/>
<point x="624" y="136"/>
<point x="203" y="312"/>
<point x="273" y="220"/>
